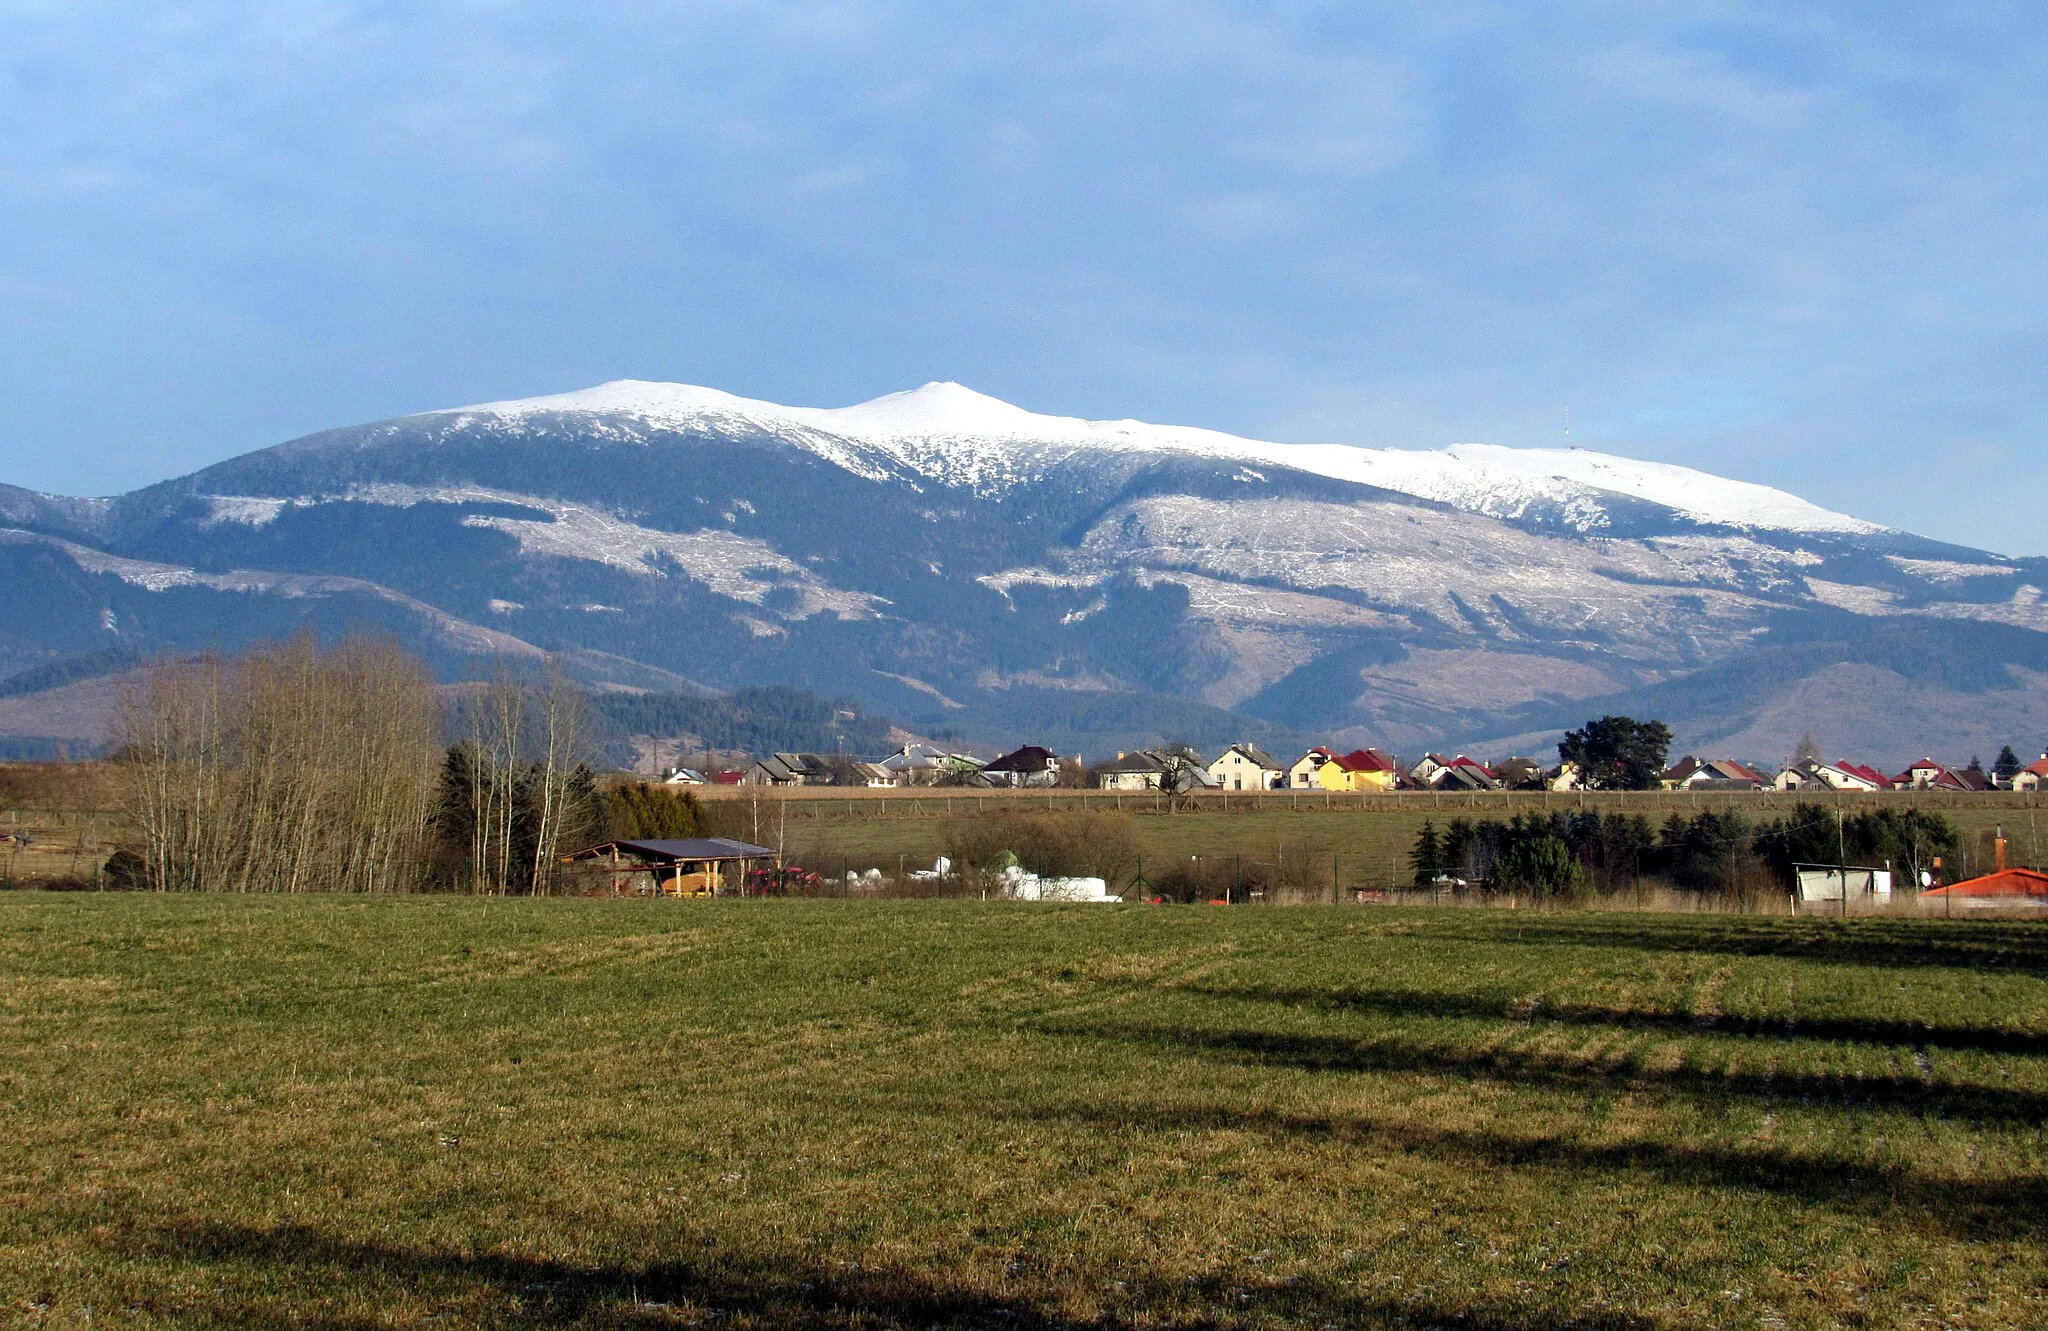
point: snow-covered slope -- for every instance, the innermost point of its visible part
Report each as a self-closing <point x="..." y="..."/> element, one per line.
<point x="953" y="435"/>
<point x="964" y="564"/>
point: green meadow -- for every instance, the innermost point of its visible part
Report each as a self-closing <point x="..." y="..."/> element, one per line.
<point x="272" y="1112"/>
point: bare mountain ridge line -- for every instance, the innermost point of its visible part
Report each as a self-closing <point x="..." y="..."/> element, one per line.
<point x="970" y="566"/>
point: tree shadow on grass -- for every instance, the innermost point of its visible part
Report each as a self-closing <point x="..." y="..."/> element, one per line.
<point x="2003" y="1209"/>
<point x="1977" y="945"/>
<point x="304" y="1272"/>
<point x="1430" y="1004"/>
<point x="1535" y="1067"/>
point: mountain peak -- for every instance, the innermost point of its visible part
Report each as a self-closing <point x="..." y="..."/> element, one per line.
<point x="951" y="433"/>
<point x="939" y="408"/>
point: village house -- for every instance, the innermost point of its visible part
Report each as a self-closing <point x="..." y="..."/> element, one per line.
<point x="1690" y="773"/>
<point x="924" y="765"/>
<point x="2004" y="888"/>
<point x="1466" y="776"/>
<point x="1928" y="774"/>
<point x="1143" y="770"/>
<point x="813" y="769"/>
<point x="1360" y="769"/>
<point x="1436" y="772"/>
<point x="784" y="769"/>
<point x="1028" y="766"/>
<point x="1519" y="774"/>
<point x="1831" y="776"/>
<point x="2032" y="776"/>
<point x="1246" y="767"/>
<point x="1304" y="774"/>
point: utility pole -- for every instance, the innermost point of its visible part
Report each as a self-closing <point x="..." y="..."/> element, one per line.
<point x="1842" y="860"/>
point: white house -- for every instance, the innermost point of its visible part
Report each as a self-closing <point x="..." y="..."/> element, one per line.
<point x="1307" y="769"/>
<point x="1246" y="767"/>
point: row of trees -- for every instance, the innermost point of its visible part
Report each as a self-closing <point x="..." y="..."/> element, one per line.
<point x="298" y="768"/>
<point x="1563" y="855"/>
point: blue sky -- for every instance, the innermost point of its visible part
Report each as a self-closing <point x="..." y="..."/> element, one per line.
<point x="1799" y="244"/>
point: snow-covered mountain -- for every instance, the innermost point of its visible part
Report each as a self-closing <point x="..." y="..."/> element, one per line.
<point x="976" y="568"/>
<point x="948" y="435"/>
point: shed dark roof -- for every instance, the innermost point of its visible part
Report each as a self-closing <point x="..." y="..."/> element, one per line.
<point x="696" y="848"/>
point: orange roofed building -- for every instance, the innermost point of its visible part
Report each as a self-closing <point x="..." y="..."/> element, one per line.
<point x="2001" y="889"/>
<point x="1360" y="769"/>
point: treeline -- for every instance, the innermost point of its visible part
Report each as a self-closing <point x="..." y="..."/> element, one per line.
<point x="299" y="768"/>
<point x="759" y="720"/>
<point x="54" y="674"/>
<point x="1566" y="855"/>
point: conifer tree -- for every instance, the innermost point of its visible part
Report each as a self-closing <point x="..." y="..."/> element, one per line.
<point x="1428" y="857"/>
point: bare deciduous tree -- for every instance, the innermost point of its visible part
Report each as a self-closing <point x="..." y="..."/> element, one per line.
<point x="517" y="789"/>
<point x="285" y="769"/>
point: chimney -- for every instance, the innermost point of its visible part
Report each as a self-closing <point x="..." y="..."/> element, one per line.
<point x="1998" y="849"/>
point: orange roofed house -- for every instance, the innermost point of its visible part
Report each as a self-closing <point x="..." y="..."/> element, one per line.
<point x="1360" y="769"/>
<point x="2001" y="889"/>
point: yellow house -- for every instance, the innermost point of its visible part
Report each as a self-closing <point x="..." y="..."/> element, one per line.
<point x="1360" y="769"/>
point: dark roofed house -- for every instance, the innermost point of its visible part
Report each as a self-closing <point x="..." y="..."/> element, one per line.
<point x="1028" y="766"/>
<point x="1519" y="774"/>
<point x="1143" y="770"/>
<point x="1718" y="774"/>
<point x="783" y="769"/>
<point x="690" y="867"/>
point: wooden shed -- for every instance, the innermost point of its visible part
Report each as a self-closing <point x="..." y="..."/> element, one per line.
<point x="697" y="867"/>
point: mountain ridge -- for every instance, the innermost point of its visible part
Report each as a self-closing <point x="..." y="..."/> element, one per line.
<point x="957" y="561"/>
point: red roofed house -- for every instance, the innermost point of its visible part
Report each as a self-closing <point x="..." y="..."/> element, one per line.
<point x="2001" y="889"/>
<point x="1869" y="777"/>
<point x="1303" y="775"/>
<point x="1928" y="774"/>
<point x="1459" y="773"/>
<point x="2033" y="776"/>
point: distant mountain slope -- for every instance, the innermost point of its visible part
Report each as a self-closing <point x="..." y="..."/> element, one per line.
<point x="975" y="569"/>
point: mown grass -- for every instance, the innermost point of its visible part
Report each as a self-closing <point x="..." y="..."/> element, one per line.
<point x="1356" y="848"/>
<point x="456" y="1112"/>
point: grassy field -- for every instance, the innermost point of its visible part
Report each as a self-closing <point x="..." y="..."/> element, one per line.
<point x="1312" y="840"/>
<point x="1355" y="842"/>
<point x="457" y="1112"/>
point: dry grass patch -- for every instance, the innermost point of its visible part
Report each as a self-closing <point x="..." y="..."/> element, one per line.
<point x="452" y="1112"/>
